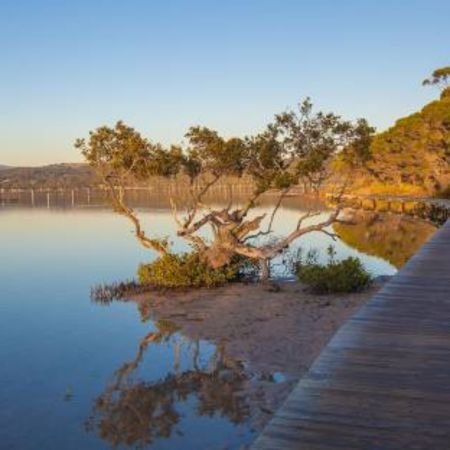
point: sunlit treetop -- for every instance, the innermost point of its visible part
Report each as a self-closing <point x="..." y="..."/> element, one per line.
<point x="440" y="77"/>
<point x="295" y="148"/>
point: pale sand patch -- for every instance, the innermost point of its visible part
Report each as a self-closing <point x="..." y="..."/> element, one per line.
<point x="271" y="332"/>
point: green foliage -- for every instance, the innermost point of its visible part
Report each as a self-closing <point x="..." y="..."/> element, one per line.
<point x="357" y="153"/>
<point x="107" y="293"/>
<point x="120" y="152"/>
<point x="185" y="270"/>
<point x="417" y="149"/>
<point x="208" y="152"/>
<point x="295" y="148"/>
<point x="414" y="153"/>
<point x="439" y="77"/>
<point x="348" y="275"/>
<point x="296" y="145"/>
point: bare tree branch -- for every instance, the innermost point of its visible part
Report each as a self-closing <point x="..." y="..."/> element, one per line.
<point x="197" y="200"/>
<point x="250" y="204"/>
<point x="174" y="212"/>
<point x="153" y="244"/>
<point x="270" y="250"/>
<point x="308" y="215"/>
<point x="283" y="243"/>
<point x="333" y="236"/>
<point x="272" y="217"/>
<point x="246" y="227"/>
<point x="212" y="217"/>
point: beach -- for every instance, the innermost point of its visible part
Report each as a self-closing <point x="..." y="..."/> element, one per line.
<point x="276" y="330"/>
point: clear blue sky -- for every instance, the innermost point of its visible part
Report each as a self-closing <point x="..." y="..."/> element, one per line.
<point x="163" y="65"/>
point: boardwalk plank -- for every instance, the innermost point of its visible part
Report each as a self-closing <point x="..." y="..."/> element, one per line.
<point x="383" y="381"/>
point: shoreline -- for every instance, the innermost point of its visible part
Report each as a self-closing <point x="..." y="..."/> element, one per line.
<point x="276" y="330"/>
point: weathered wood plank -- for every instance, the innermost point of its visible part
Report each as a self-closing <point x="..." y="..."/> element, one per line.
<point x="383" y="381"/>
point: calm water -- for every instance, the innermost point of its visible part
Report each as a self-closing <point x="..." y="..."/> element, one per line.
<point x="79" y="375"/>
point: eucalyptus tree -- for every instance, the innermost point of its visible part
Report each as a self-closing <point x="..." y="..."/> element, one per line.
<point x="440" y="77"/>
<point x="296" y="148"/>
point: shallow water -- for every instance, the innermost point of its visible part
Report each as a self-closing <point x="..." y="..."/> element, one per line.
<point x="74" y="373"/>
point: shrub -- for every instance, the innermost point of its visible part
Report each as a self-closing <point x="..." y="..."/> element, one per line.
<point x="437" y="214"/>
<point x="444" y="193"/>
<point x="348" y="275"/>
<point x="185" y="270"/>
<point x="107" y="293"/>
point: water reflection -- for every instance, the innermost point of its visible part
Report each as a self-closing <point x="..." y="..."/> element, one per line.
<point x="154" y="199"/>
<point x="62" y="253"/>
<point x="392" y="237"/>
<point x="135" y="412"/>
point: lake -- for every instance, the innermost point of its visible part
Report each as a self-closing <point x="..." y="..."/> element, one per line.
<point x="79" y="375"/>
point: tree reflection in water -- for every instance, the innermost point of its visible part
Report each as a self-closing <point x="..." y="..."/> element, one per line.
<point x="134" y="413"/>
<point x="392" y="237"/>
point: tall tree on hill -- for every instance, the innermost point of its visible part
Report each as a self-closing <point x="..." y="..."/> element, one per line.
<point x="440" y="77"/>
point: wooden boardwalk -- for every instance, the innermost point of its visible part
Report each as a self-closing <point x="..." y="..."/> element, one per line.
<point x="383" y="381"/>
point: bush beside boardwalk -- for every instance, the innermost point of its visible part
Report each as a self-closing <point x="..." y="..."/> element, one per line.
<point x="348" y="275"/>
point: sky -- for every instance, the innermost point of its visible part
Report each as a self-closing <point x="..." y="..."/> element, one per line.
<point x="67" y="67"/>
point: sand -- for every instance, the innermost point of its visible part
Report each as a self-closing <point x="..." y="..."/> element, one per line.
<point x="276" y="331"/>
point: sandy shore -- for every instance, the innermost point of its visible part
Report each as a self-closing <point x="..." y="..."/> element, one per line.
<point x="277" y="333"/>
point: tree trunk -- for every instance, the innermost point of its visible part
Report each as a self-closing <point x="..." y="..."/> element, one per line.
<point x="265" y="269"/>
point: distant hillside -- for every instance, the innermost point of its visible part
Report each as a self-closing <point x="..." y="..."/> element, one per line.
<point x="79" y="175"/>
<point x="3" y="167"/>
<point x="412" y="157"/>
<point x="51" y="176"/>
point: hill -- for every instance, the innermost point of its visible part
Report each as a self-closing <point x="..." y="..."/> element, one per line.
<point x="4" y="167"/>
<point x="51" y="176"/>
<point x="412" y="157"/>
